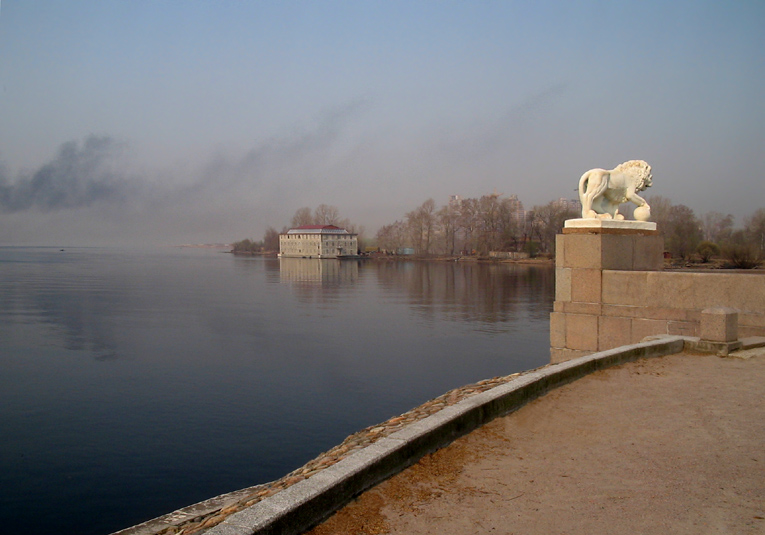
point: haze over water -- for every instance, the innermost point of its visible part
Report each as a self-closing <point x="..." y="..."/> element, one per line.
<point x="206" y="122"/>
<point x="136" y="382"/>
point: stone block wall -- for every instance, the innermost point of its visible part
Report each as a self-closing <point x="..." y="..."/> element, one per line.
<point x="611" y="291"/>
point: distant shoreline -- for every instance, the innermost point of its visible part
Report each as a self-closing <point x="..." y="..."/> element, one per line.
<point x="717" y="265"/>
<point x="204" y="246"/>
<point x="431" y="258"/>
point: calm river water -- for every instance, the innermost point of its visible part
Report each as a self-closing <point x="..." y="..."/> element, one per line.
<point x="137" y="382"/>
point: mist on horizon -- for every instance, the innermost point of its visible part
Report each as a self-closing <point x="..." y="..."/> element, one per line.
<point x="155" y="124"/>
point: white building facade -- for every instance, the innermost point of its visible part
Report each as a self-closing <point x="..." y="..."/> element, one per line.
<point x="318" y="241"/>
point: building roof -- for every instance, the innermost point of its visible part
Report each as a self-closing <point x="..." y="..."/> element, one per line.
<point x="315" y="227"/>
<point x="318" y="229"/>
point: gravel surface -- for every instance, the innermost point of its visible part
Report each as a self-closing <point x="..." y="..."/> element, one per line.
<point x="666" y="445"/>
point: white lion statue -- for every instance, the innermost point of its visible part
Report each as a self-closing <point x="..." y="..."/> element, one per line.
<point x="602" y="191"/>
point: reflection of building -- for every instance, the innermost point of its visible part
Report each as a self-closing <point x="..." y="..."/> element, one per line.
<point x="317" y="241"/>
<point x="313" y="272"/>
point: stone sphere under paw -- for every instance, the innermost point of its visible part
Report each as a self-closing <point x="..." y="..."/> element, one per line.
<point x="642" y="213"/>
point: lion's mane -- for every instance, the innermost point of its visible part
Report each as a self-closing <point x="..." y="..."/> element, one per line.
<point x="638" y="169"/>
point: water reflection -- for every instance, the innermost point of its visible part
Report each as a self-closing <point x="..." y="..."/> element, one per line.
<point x="59" y="290"/>
<point x="471" y="291"/>
<point x="446" y="291"/>
<point x="319" y="281"/>
<point x="86" y="298"/>
<point x="321" y="272"/>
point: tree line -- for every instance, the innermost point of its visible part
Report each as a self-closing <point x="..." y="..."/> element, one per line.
<point x="477" y="226"/>
<point x="492" y="223"/>
<point x="489" y="223"/>
<point x="687" y="236"/>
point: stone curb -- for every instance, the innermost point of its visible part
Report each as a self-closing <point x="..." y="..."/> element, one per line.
<point x="310" y="501"/>
<point x="199" y="517"/>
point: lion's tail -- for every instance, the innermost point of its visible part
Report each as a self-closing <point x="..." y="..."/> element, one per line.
<point x="589" y="190"/>
<point x="583" y="184"/>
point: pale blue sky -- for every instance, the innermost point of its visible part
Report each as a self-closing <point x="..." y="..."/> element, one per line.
<point x="216" y="119"/>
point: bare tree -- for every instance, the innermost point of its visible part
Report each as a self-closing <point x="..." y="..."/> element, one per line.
<point x="467" y="223"/>
<point x="682" y="231"/>
<point x="497" y="227"/>
<point x="490" y="226"/>
<point x="717" y="227"/>
<point x="742" y="251"/>
<point x="511" y="232"/>
<point x="326" y="215"/>
<point x="421" y="225"/>
<point x="392" y="237"/>
<point x="754" y="227"/>
<point x="302" y="217"/>
<point x="447" y="220"/>
<point x="427" y="212"/>
<point x="548" y="221"/>
<point x="660" y="207"/>
<point x="271" y="239"/>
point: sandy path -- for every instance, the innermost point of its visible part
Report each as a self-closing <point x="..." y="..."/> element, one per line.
<point x="668" y="445"/>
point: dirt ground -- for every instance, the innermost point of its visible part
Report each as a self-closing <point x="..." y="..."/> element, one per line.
<point x="668" y="445"/>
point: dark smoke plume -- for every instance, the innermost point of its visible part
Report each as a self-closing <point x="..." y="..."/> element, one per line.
<point x="79" y="176"/>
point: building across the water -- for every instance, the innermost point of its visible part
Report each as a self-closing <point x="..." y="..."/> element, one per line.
<point x="318" y="241"/>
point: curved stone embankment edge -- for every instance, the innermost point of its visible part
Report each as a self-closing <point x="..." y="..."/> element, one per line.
<point x="199" y="517"/>
<point x="308" y="502"/>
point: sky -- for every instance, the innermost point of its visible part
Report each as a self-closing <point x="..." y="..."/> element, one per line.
<point x="143" y="122"/>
